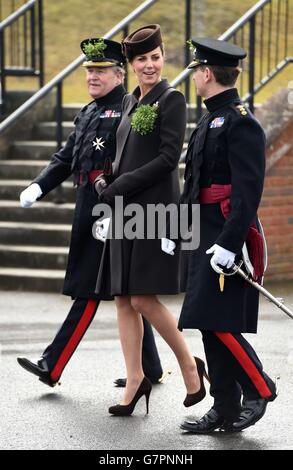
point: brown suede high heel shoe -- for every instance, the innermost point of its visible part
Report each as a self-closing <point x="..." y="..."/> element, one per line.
<point x="145" y="388"/>
<point x="193" y="398"/>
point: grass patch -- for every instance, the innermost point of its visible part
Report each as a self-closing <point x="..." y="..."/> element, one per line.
<point x="67" y="23"/>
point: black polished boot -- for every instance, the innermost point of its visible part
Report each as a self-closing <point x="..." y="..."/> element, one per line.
<point x="40" y="369"/>
<point x="208" y="423"/>
<point x="252" y="411"/>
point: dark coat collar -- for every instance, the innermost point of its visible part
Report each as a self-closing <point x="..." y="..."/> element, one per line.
<point x="132" y="102"/>
<point x="222" y="99"/>
<point x="112" y="97"/>
<point x="151" y="97"/>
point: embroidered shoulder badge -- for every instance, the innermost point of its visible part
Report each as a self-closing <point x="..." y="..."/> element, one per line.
<point x="217" y="122"/>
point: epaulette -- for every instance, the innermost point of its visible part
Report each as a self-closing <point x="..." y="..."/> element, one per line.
<point x="242" y="109"/>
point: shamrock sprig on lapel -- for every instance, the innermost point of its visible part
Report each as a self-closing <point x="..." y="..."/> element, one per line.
<point x="144" y="118"/>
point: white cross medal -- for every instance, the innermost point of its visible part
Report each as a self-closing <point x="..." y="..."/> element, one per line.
<point x="99" y="143"/>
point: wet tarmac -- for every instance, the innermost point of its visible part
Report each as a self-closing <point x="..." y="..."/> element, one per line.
<point x="75" y="415"/>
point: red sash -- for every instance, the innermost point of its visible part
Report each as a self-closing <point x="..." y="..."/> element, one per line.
<point x="220" y="193"/>
<point x="92" y="175"/>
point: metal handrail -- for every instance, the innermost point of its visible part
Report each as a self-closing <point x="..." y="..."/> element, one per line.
<point x="247" y="18"/>
<point x="225" y="37"/>
<point x="36" y="68"/>
<point x="17" y="14"/>
<point x="58" y="79"/>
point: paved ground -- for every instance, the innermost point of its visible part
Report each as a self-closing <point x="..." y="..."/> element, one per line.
<point x="74" y="415"/>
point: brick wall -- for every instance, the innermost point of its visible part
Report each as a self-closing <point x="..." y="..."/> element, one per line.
<point x="276" y="211"/>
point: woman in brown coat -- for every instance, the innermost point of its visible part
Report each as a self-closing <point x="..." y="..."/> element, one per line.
<point x="136" y="270"/>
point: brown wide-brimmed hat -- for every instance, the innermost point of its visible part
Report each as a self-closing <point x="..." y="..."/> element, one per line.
<point x="141" y="41"/>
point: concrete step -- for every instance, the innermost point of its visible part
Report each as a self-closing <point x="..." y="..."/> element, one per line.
<point x="189" y="130"/>
<point x="21" y="169"/>
<point x="15" y="98"/>
<point x="33" y="257"/>
<point x="46" y="212"/>
<point x="71" y="110"/>
<point x="35" y="280"/>
<point x="15" y="233"/>
<point x="191" y="112"/>
<point x="47" y="130"/>
<point x="33" y="149"/>
<point x="11" y="189"/>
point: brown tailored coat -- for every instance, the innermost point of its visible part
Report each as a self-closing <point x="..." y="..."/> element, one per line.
<point x="145" y="172"/>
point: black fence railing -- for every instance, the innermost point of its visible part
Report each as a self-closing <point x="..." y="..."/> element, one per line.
<point x="21" y="45"/>
<point x="9" y="6"/>
<point x="58" y="81"/>
<point x="264" y="31"/>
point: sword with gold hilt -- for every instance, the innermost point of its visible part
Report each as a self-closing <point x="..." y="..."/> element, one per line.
<point x="236" y="269"/>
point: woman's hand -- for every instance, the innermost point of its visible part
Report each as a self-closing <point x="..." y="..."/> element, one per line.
<point x="107" y="196"/>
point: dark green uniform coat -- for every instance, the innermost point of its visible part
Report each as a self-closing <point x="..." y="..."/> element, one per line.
<point x="227" y="147"/>
<point x="146" y="172"/>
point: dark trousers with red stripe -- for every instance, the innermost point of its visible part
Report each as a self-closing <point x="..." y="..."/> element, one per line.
<point x="235" y="371"/>
<point x="80" y="316"/>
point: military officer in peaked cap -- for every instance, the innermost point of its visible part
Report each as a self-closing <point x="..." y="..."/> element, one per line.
<point x="225" y="168"/>
<point x="89" y="146"/>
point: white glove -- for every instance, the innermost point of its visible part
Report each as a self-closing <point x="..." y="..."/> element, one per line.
<point x="168" y="246"/>
<point x="30" y="195"/>
<point x="102" y="227"/>
<point x="221" y="256"/>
